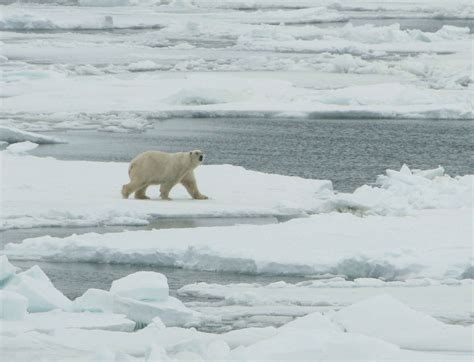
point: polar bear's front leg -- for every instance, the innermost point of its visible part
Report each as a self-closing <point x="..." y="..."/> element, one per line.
<point x="189" y="182"/>
<point x="165" y="191"/>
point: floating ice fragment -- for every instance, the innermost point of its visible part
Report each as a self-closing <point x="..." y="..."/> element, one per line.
<point x="22" y="147"/>
<point x="143" y="285"/>
<point x="94" y="300"/>
<point x="37" y="288"/>
<point x="7" y="270"/>
<point x="12" y="305"/>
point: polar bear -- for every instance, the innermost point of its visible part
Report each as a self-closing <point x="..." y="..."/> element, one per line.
<point x="166" y="170"/>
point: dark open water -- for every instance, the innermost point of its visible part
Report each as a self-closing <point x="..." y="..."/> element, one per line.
<point x="350" y="152"/>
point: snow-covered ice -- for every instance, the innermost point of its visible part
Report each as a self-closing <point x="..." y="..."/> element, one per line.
<point x="21" y="147"/>
<point x="45" y="322"/>
<point x="234" y="302"/>
<point x="142" y="297"/>
<point x="12" y="306"/>
<point x="64" y="195"/>
<point x="251" y="94"/>
<point x="7" y="270"/>
<point x="88" y="335"/>
<point x="171" y="311"/>
<point x="142" y="286"/>
<point x="433" y="243"/>
<point x="14" y="135"/>
<point x="36" y="287"/>
<point x="387" y="269"/>
<point x="408" y="328"/>
<point x="341" y="69"/>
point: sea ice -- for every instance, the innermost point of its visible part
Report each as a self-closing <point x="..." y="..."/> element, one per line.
<point x="172" y="312"/>
<point x="141" y="297"/>
<point x="36" y="287"/>
<point x="14" y="135"/>
<point x="94" y="300"/>
<point x="145" y="286"/>
<point x="21" y="147"/>
<point x="430" y="243"/>
<point x="46" y="322"/>
<point x="7" y="270"/>
<point x="100" y="203"/>
<point x="255" y="303"/>
<point x="386" y="318"/>
<point x="12" y="307"/>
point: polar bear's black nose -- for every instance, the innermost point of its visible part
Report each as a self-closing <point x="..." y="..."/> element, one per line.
<point x="201" y="158"/>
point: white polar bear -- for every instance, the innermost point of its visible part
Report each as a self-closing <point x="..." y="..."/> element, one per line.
<point x="165" y="169"/>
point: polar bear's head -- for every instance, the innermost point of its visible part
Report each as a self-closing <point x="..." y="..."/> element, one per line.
<point x="196" y="157"/>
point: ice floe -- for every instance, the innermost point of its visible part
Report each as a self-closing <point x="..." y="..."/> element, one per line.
<point x="12" y="306"/>
<point x="21" y="147"/>
<point x="7" y="270"/>
<point x="142" y="297"/>
<point x="243" y="304"/>
<point x="63" y="195"/>
<point x="429" y="243"/>
<point x="409" y="329"/>
<point x="431" y="69"/>
<point x="254" y="194"/>
<point x="433" y="243"/>
<point x="252" y="94"/>
<point x="45" y="322"/>
<point x="142" y="286"/>
<point x="36" y="287"/>
<point x="14" y="135"/>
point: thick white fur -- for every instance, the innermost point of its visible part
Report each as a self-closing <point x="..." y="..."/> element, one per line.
<point x="164" y="169"/>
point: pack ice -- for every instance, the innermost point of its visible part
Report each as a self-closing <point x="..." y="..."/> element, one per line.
<point x="412" y="223"/>
<point x="105" y="332"/>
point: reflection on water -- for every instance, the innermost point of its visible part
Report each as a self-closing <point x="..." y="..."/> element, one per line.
<point x="17" y="235"/>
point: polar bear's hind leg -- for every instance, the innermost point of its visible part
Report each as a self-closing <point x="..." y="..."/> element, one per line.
<point x="130" y="188"/>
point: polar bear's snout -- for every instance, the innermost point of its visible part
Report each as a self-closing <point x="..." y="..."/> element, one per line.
<point x="201" y="158"/>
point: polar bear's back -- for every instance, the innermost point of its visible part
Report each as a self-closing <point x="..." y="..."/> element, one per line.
<point x="158" y="167"/>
